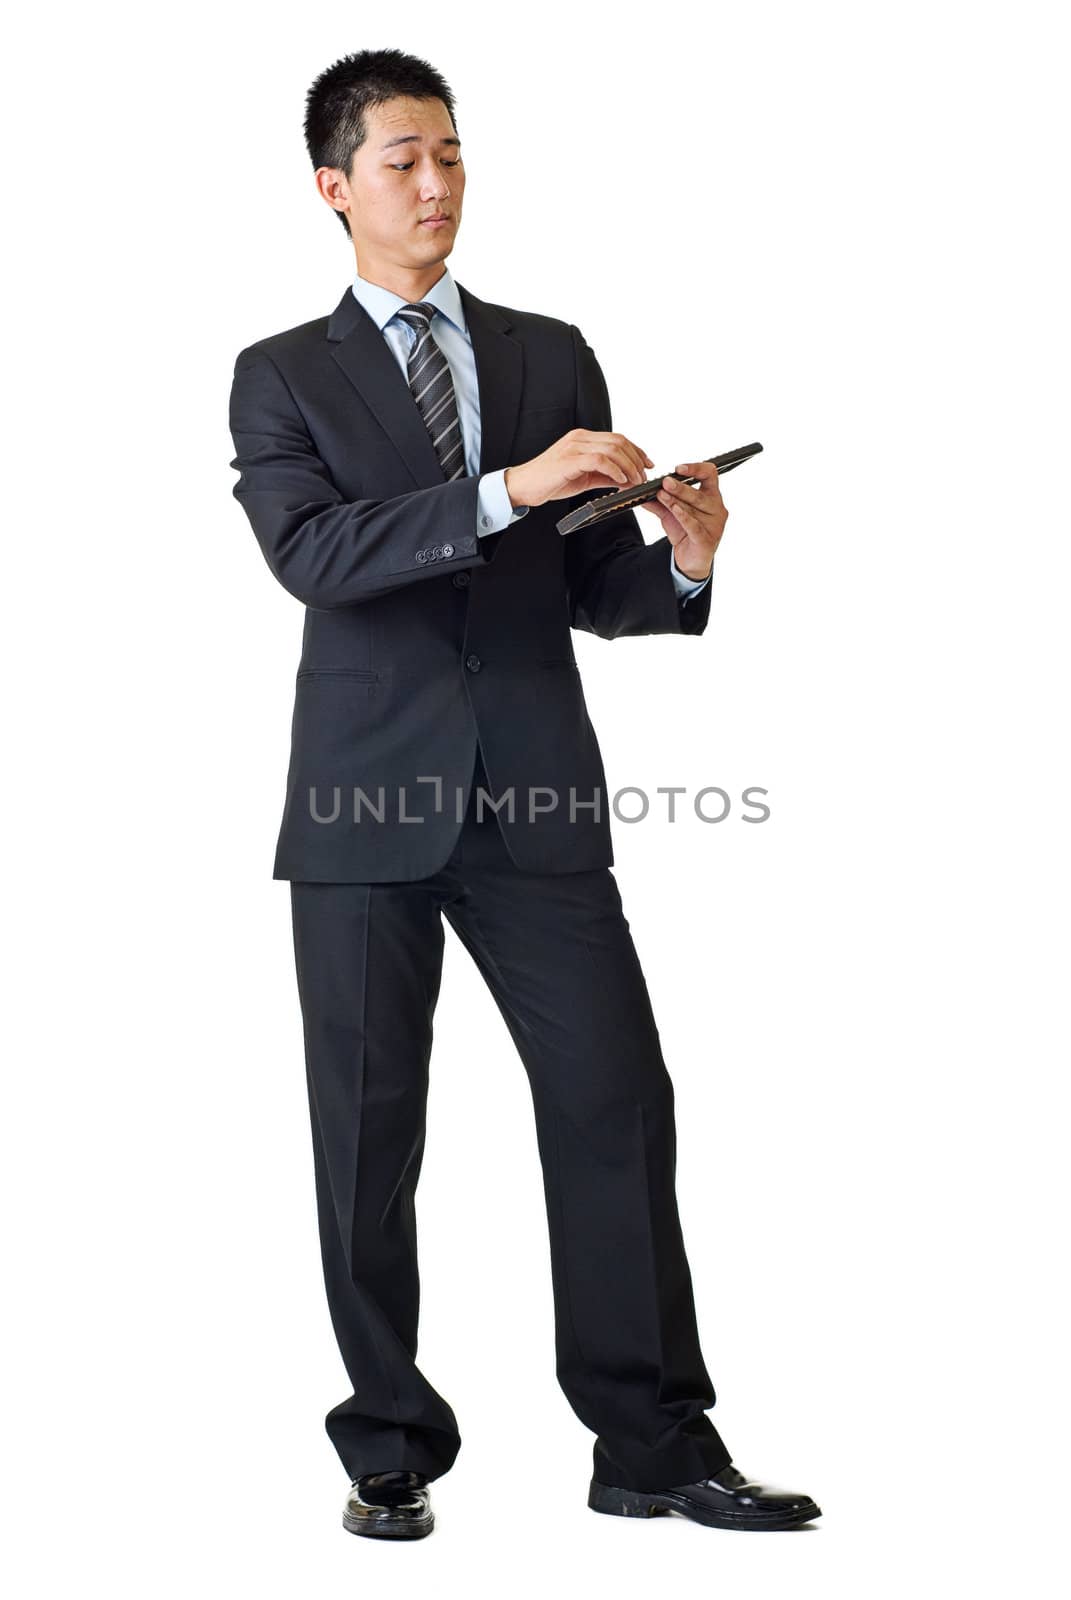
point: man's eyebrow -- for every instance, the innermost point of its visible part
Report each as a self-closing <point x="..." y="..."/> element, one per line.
<point x="413" y="138"/>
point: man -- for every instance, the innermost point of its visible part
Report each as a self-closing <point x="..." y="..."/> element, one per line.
<point x="403" y="463"/>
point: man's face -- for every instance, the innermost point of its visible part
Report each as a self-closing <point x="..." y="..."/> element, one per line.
<point x="409" y="168"/>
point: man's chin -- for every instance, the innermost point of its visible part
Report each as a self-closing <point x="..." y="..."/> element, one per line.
<point x="438" y="254"/>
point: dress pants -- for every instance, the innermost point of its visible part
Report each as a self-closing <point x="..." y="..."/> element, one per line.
<point x="558" y="957"/>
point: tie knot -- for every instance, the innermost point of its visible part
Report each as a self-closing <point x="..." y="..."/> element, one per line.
<point x="418" y="315"/>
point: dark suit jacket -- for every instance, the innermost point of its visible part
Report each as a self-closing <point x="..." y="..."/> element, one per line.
<point x="420" y="637"/>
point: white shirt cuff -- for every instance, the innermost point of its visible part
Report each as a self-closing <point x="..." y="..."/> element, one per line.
<point x="493" y="508"/>
<point x="687" y="586"/>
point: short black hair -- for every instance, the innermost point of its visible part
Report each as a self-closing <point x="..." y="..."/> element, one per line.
<point x="337" y="101"/>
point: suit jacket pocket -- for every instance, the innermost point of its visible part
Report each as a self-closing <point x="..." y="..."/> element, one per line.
<point x="360" y="674"/>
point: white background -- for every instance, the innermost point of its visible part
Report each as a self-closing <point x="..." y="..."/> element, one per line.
<point x="834" y="228"/>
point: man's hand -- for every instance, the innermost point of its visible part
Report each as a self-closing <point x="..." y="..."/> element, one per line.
<point x="581" y="459"/>
<point x="693" y="519"/>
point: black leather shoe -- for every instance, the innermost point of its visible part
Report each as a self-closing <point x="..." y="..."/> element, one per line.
<point x="389" y="1505"/>
<point x="727" y="1500"/>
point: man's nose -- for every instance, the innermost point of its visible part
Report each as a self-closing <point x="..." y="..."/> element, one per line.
<point x="435" y="184"/>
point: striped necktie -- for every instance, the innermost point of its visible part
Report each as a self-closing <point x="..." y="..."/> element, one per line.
<point x="433" y="389"/>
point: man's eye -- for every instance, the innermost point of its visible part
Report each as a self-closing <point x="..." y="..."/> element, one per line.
<point x="405" y="165"/>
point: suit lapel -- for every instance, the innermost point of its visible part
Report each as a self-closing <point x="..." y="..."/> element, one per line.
<point x="499" y="375"/>
<point x="363" y="354"/>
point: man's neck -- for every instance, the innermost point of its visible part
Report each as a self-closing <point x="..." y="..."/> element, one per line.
<point x="412" y="283"/>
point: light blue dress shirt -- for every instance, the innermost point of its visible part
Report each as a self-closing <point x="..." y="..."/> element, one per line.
<point x="494" y="510"/>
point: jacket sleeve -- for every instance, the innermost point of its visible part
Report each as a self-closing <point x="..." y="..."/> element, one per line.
<point x="327" y="551"/>
<point x="617" y="583"/>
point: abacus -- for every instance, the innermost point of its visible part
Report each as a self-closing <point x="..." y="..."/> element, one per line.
<point x="606" y="505"/>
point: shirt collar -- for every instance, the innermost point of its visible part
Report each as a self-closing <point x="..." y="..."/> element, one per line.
<point x="381" y="304"/>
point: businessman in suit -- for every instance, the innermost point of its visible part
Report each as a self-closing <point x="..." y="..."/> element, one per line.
<point x="402" y="463"/>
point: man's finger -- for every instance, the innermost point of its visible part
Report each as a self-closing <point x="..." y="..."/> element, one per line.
<point x="605" y="448"/>
<point x="629" y="454"/>
<point x="633" y="455"/>
<point x="703" y="494"/>
<point x="684" y="493"/>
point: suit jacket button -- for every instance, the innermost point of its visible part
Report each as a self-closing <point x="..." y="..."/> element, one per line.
<point x="448" y="549"/>
<point x="421" y="556"/>
<point x="473" y="663"/>
<point x="461" y="580"/>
